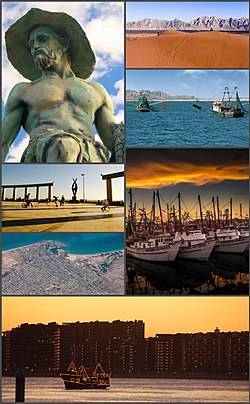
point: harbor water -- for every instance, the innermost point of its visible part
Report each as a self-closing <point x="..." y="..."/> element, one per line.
<point x="181" y="125"/>
<point x="75" y="243"/>
<point x="131" y="390"/>
<point x="222" y="274"/>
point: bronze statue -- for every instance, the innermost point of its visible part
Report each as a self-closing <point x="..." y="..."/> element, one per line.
<point x="59" y="106"/>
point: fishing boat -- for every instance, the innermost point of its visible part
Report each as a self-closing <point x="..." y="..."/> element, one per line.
<point x="229" y="240"/>
<point x="143" y="105"/>
<point x="78" y="379"/>
<point x="225" y="109"/>
<point x="162" y="248"/>
<point x="195" y="245"/>
<point x="149" y="240"/>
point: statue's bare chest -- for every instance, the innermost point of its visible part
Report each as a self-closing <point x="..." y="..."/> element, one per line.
<point x="53" y="92"/>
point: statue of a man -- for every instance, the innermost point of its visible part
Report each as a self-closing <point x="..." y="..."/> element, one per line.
<point x="59" y="106"/>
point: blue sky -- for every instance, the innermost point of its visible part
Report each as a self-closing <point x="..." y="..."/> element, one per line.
<point x="62" y="175"/>
<point x="185" y="11"/>
<point x="200" y="83"/>
<point x="103" y="24"/>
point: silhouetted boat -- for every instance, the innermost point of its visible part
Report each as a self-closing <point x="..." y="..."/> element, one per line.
<point x="78" y="379"/>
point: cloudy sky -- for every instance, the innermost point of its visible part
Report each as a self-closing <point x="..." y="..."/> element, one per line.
<point x="103" y="24"/>
<point x="186" y="11"/>
<point x="192" y="172"/>
<point x="199" y="83"/>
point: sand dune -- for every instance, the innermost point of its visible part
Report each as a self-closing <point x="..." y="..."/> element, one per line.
<point x="177" y="49"/>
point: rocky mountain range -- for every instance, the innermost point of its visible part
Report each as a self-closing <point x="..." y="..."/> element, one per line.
<point x="199" y="24"/>
<point x="132" y="95"/>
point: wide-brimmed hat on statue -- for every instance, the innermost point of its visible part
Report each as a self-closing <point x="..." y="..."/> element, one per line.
<point x="17" y="36"/>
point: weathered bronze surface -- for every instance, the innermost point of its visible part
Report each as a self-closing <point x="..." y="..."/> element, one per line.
<point x="58" y="109"/>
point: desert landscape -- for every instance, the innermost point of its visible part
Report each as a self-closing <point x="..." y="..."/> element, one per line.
<point x="177" y="49"/>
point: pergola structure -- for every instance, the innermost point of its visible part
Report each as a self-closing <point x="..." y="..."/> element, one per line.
<point x="26" y="187"/>
<point x="108" y="178"/>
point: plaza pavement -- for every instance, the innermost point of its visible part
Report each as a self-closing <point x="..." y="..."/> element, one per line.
<point x="46" y="217"/>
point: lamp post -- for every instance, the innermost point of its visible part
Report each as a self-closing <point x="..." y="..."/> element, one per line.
<point x="83" y="190"/>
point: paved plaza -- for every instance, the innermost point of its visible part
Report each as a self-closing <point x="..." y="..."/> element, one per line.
<point x="46" y="217"/>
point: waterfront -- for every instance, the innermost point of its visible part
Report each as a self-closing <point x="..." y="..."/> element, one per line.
<point x="222" y="274"/>
<point x="75" y="243"/>
<point x="131" y="390"/>
<point x="181" y="125"/>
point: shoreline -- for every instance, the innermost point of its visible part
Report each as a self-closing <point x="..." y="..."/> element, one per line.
<point x="61" y="248"/>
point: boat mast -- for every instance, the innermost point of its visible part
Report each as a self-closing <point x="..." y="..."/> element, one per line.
<point x="199" y="200"/>
<point x="231" y="211"/>
<point x="214" y="209"/>
<point x="179" y="204"/>
<point x="218" y="210"/>
<point x="226" y="92"/>
<point x="130" y="205"/>
<point x="159" y="203"/>
<point x="240" y="211"/>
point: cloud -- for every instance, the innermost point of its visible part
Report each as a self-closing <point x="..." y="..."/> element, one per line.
<point x="157" y="174"/>
<point x="119" y="97"/>
<point x="17" y="150"/>
<point x="194" y="73"/>
<point x="102" y="22"/>
<point x="107" y="37"/>
<point x="119" y="116"/>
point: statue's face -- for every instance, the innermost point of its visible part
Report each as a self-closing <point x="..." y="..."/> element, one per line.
<point x="45" y="47"/>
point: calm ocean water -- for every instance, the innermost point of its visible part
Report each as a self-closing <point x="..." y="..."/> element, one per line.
<point x="128" y="390"/>
<point x="181" y="125"/>
<point x="77" y="243"/>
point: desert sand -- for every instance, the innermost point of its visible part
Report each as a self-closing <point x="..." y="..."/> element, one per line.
<point x="177" y="49"/>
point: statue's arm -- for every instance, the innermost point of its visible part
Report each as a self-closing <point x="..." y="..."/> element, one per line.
<point x="13" y="117"/>
<point x="104" y="119"/>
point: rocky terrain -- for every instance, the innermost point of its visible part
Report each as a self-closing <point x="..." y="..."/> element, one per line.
<point x="45" y="268"/>
<point x="132" y="95"/>
<point x="200" y="23"/>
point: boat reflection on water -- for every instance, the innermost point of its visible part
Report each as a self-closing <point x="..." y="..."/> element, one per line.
<point x="222" y="274"/>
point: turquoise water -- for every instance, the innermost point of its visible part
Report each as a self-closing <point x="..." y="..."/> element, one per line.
<point x="83" y="243"/>
<point x="181" y="125"/>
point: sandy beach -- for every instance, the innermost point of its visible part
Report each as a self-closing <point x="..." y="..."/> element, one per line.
<point x="175" y="49"/>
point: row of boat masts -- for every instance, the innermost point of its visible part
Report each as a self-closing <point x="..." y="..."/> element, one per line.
<point x="153" y="239"/>
<point x="177" y="219"/>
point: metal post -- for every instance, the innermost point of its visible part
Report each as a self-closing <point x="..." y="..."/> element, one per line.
<point x="20" y="386"/>
<point x="83" y="190"/>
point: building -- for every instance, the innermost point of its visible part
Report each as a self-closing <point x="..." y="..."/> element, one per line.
<point x="122" y="349"/>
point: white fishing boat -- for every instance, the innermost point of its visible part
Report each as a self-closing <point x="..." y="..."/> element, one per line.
<point x="160" y="248"/>
<point x="225" y="109"/>
<point x="195" y="245"/>
<point x="230" y="240"/>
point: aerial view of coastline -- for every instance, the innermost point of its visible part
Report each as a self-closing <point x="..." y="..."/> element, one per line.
<point x="187" y="221"/>
<point x="187" y="35"/>
<point x="185" y="108"/>
<point x="65" y="198"/>
<point x="63" y="264"/>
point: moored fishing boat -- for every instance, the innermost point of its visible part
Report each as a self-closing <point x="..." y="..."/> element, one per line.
<point x="78" y="379"/>
<point x="161" y="248"/>
<point x="195" y="245"/>
<point x="229" y="240"/>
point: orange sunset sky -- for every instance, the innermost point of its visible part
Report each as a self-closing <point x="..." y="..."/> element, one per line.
<point x="192" y="172"/>
<point x="160" y="314"/>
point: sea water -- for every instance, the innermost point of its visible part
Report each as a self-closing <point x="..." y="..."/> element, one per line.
<point x="75" y="243"/>
<point x="45" y="389"/>
<point x="181" y="125"/>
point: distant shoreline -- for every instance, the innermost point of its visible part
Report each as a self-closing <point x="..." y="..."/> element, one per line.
<point x="154" y="31"/>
